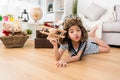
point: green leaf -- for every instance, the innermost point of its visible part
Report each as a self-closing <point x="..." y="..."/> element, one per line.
<point x="29" y="31"/>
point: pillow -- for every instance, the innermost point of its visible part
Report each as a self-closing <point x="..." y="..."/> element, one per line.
<point x="94" y="12"/>
<point x="117" y="10"/>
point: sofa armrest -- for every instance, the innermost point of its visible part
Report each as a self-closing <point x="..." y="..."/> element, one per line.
<point x="111" y="27"/>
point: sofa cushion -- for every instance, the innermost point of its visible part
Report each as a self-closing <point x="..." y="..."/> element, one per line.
<point x="94" y="12"/>
<point x="117" y="10"/>
<point x="111" y="27"/>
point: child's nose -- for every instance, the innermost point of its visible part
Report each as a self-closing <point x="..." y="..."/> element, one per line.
<point x="75" y="32"/>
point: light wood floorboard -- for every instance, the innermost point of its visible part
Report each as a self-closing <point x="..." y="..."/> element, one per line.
<point x="29" y="63"/>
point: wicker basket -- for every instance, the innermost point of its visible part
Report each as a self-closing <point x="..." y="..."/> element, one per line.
<point x="14" y="41"/>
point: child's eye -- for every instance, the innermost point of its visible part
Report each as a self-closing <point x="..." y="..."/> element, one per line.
<point x="78" y="30"/>
<point x="71" y="31"/>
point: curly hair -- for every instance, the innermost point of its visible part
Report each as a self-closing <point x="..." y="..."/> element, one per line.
<point x="71" y="21"/>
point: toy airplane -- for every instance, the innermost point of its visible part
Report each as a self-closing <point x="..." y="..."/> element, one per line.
<point x="52" y="32"/>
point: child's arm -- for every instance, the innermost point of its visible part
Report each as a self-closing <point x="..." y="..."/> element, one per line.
<point x="58" y="52"/>
<point x="63" y="62"/>
<point x="73" y="58"/>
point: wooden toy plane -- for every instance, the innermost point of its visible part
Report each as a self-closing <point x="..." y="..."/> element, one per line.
<point x="52" y="32"/>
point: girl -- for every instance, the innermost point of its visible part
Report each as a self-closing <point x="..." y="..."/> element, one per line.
<point x="76" y="42"/>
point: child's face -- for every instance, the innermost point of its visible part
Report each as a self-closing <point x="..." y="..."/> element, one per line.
<point x="75" y="33"/>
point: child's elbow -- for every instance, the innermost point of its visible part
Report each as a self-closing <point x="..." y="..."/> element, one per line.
<point x="108" y="49"/>
<point x="78" y="58"/>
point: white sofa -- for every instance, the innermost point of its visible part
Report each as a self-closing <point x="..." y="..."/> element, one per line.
<point x="111" y="29"/>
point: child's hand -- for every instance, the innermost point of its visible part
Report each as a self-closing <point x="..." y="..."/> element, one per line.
<point x="53" y="41"/>
<point x="61" y="63"/>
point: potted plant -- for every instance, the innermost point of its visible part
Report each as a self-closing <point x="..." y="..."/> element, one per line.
<point x="0" y="17"/>
<point x="74" y="8"/>
<point x="29" y="31"/>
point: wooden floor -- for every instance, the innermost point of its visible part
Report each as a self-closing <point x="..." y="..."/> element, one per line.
<point x="28" y="63"/>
